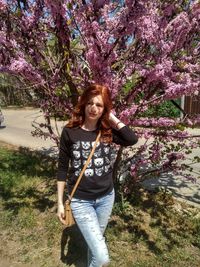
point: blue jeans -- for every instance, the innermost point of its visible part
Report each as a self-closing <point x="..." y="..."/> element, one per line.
<point x="92" y="218"/>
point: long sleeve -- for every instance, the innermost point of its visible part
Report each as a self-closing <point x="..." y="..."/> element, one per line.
<point x="64" y="156"/>
<point x="125" y="136"/>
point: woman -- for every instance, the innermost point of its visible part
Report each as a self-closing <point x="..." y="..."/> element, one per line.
<point x="93" y="200"/>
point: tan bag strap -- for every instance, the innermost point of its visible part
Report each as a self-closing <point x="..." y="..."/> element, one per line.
<point x="85" y="166"/>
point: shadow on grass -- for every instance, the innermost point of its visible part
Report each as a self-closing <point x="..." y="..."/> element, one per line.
<point x="18" y="168"/>
<point x="73" y="247"/>
<point x="30" y="163"/>
<point x="144" y="212"/>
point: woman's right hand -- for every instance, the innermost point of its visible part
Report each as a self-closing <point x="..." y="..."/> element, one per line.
<point x="61" y="213"/>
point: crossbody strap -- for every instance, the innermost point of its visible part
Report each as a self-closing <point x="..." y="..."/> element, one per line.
<point x="85" y="166"/>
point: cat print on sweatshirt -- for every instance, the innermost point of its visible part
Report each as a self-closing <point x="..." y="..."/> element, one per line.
<point x="89" y="172"/>
<point x="106" y="150"/>
<point x="97" y="153"/>
<point x="76" y="154"/>
<point x="86" y="145"/>
<point x="99" y="171"/>
<point x="85" y="153"/>
<point x="89" y="164"/>
<point x="77" y="163"/>
<point x="107" y="167"/>
<point x="98" y="162"/>
<point x="76" y="145"/>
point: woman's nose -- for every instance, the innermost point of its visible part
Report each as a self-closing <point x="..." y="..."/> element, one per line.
<point x="93" y="107"/>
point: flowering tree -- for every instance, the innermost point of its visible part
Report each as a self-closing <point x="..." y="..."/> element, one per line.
<point x="147" y="52"/>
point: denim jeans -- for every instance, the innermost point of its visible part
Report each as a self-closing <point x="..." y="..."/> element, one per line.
<point x="92" y="218"/>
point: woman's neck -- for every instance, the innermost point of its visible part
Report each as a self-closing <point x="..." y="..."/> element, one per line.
<point x="89" y="126"/>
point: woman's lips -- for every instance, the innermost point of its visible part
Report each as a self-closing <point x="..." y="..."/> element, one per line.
<point x="92" y="114"/>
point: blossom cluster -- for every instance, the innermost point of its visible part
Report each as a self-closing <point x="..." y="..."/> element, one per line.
<point x="21" y="66"/>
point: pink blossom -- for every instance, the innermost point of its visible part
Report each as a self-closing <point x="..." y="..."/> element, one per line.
<point x="133" y="170"/>
<point x="167" y="46"/>
<point x="152" y="122"/>
<point x="3" y="5"/>
<point x="195" y="10"/>
<point x="179" y="23"/>
<point x="20" y="65"/>
<point x="125" y="114"/>
<point x="148" y="26"/>
<point x="3" y="38"/>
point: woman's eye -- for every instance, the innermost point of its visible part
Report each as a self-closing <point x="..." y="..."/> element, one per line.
<point x="97" y="105"/>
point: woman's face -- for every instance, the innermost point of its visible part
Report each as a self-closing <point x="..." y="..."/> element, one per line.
<point x="94" y="108"/>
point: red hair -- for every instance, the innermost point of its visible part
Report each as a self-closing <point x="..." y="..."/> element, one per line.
<point x="78" y="116"/>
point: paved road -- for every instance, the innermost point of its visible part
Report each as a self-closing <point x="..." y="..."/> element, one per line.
<point x="17" y="128"/>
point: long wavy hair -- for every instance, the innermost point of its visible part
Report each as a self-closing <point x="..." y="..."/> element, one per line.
<point x="103" y="124"/>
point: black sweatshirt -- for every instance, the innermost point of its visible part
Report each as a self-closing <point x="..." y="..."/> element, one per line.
<point x="75" y="147"/>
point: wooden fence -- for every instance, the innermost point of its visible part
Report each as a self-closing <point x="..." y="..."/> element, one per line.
<point x="192" y="105"/>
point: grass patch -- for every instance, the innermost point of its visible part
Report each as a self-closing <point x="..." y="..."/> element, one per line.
<point x="155" y="234"/>
<point x="151" y="229"/>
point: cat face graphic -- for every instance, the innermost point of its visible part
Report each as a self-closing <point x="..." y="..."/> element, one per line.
<point x="113" y="156"/>
<point x="98" y="162"/>
<point x="107" y="150"/>
<point x="86" y="154"/>
<point x="107" y="167"/>
<point x="86" y="145"/>
<point x="89" y="172"/>
<point x="76" y="145"/>
<point x="77" y="172"/>
<point x="107" y="160"/>
<point x="97" y="153"/>
<point x="77" y="163"/>
<point x="76" y="154"/>
<point x="99" y="171"/>
<point x="89" y="164"/>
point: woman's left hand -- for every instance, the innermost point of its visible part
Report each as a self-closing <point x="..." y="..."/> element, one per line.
<point x="112" y="117"/>
<point x="115" y="122"/>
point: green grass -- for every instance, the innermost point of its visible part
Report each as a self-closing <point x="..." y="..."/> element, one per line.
<point x="149" y="230"/>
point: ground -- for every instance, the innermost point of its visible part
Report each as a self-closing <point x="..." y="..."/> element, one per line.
<point x="152" y="230"/>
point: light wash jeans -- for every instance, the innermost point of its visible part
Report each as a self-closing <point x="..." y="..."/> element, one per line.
<point x="92" y="218"/>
